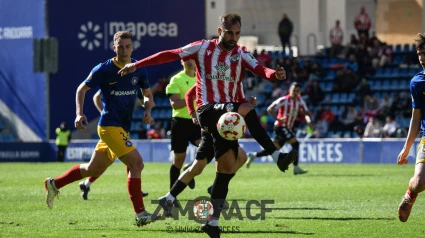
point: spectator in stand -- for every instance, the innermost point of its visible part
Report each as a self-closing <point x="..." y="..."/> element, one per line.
<point x="353" y="40"/>
<point x="364" y="90"/>
<point x="374" y="50"/>
<point x="321" y="128"/>
<point x="158" y="132"/>
<point x="264" y="59"/>
<point x="336" y="36"/>
<point x="373" y="128"/>
<point x="385" y="106"/>
<point x="371" y="107"/>
<point x="314" y="92"/>
<point x="277" y="91"/>
<point x="315" y="72"/>
<point x="384" y="55"/>
<point x="158" y="89"/>
<point x="352" y="64"/>
<point x="373" y="38"/>
<point x="285" y="31"/>
<point x="362" y="23"/>
<point x="345" y="81"/>
<point x="363" y="60"/>
<point x="402" y="106"/>
<point x="390" y="127"/>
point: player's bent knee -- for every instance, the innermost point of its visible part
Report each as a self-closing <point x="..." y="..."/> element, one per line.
<point x="245" y="108"/>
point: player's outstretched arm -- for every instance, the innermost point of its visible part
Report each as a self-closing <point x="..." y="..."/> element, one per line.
<point x="158" y="58"/>
<point x="80" y="119"/>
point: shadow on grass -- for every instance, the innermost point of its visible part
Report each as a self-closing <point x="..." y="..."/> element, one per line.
<point x="338" y="218"/>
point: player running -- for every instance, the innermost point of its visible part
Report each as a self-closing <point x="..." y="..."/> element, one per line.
<point x="417" y="126"/>
<point x="288" y="107"/>
<point x="119" y="95"/>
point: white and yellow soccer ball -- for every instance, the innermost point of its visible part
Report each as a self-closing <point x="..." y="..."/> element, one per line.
<point x="231" y="126"/>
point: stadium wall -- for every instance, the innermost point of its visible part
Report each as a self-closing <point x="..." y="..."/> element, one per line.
<point x="85" y="30"/>
<point x="312" y="151"/>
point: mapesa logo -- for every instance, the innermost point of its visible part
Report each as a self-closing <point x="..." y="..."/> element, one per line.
<point x="92" y="35"/>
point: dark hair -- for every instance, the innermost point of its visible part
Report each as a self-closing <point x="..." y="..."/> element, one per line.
<point x="229" y="19"/>
<point x="296" y="85"/>
<point x="420" y="41"/>
<point x="123" y="35"/>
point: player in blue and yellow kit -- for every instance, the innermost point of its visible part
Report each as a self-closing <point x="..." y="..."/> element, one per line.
<point x="417" y="126"/>
<point x="119" y="95"/>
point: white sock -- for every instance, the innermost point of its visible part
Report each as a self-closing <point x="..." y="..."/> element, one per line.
<point x="213" y="222"/>
<point x="87" y="183"/>
<point x="169" y="197"/>
<point x="275" y="155"/>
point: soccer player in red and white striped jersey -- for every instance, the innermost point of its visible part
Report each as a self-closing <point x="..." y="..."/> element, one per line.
<point x="221" y="64"/>
<point x="288" y="108"/>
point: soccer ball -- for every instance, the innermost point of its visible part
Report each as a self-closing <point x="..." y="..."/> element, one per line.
<point x="231" y="126"/>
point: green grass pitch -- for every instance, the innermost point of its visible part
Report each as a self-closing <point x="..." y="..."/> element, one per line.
<point x="330" y="201"/>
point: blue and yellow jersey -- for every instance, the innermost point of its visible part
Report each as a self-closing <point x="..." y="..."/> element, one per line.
<point x="119" y="93"/>
<point x="417" y="90"/>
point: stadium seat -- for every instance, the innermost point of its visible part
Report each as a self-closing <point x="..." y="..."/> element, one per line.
<point x="395" y="73"/>
<point x="335" y="98"/>
<point x="413" y="49"/>
<point x="398" y="48"/>
<point x="404" y="72"/>
<point x="330" y="75"/>
<point x="379" y="73"/>
<point x="343" y="98"/>
<point x="391" y="47"/>
<point x="385" y="85"/>
<point x="406" y="48"/>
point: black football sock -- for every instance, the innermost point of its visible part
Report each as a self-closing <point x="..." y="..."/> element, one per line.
<point x="258" y="132"/>
<point x="219" y="192"/>
<point x="174" y="174"/>
<point x="261" y="153"/>
<point x="177" y="188"/>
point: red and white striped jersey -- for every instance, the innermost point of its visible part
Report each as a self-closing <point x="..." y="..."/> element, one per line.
<point x="288" y="108"/>
<point x="362" y="22"/>
<point x="220" y="72"/>
<point x="336" y="35"/>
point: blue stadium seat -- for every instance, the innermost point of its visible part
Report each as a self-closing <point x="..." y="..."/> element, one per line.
<point x="343" y="98"/>
<point x="268" y="88"/>
<point x="335" y="98"/>
<point x="398" y="48"/>
<point x="379" y="73"/>
<point x="413" y="72"/>
<point x="395" y="73"/>
<point x="330" y="75"/>
<point x="406" y="48"/>
<point x="385" y="85"/>
<point x="404" y="72"/>
<point x="387" y="73"/>
<point x="391" y="47"/>
<point x="413" y="49"/>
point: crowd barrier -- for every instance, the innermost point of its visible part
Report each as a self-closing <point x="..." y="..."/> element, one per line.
<point x="331" y="151"/>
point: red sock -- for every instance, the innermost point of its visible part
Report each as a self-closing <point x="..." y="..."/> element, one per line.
<point x="134" y="186"/>
<point x="72" y="175"/>
<point x="411" y="194"/>
<point x="92" y="179"/>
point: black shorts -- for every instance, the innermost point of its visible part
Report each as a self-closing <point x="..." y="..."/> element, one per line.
<point x="183" y="131"/>
<point x="208" y="116"/>
<point x="283" y="134"/>
<point x="206" y="147"/>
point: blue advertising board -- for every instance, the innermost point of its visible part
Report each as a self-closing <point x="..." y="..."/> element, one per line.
<point x="85" y="32"/>
<point x="21" y="90"/>
<point x="312" y="151"/>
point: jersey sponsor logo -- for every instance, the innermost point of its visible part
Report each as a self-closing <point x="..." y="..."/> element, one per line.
<point x="234" y="57"/>
<point x="123" y="93"/>
<point x="112" y="83"/>
<point x="92" y="35"/>
<point x="134" y="80"/>
<point x="222" y="68"/>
